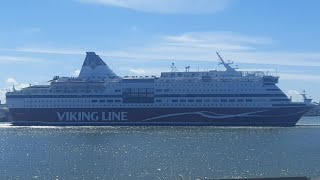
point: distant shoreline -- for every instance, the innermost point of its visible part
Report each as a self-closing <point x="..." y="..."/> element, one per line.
<point x="4" y="113"/>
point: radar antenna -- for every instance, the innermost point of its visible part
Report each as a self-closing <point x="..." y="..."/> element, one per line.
<point x="173" y="68"/>
<point x="226" y="64"/>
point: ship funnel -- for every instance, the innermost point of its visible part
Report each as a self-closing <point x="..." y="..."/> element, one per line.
<point x="94" y="68"/>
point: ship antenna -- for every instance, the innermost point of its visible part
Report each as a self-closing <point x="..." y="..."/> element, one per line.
<point x="187" y="68"/>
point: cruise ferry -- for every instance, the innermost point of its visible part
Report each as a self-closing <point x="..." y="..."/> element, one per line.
<point x="204" y="98"/>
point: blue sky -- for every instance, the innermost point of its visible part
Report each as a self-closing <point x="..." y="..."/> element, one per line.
<point x="40" y="39"/>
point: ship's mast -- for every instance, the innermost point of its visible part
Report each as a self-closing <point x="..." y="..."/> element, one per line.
<point x="305" y="98"/>
<point x="226" y="64"/>
<point x="173" y="68"/>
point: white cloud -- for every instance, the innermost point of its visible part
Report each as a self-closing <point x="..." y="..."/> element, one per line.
<point x="277" y="58"/>
<point x="39" y="50"/>
<point x="218" y="37"/>
<point x="300" y="77"/>
<point x="294" y="95"/>
<point x="146" y="71"/>
<point x="2" y="95"/>
<point x="19" y="59"/>
<point x="201" y="46"/>
<point x="64" y="51"/>
<point x="196" y="46"/>
<point x="11" y="81"/>
<point x="138" y="71"/>
<point x="18" y="86"/>
<point x="76" y="73"/>
<point x="21" y="85"/>
<point x="9" y="85"/>
<point x="167" y="6"/>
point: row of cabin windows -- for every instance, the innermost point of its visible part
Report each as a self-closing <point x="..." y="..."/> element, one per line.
<point x="211" y="84"/>
<point x="162" y="90"/>
<point x="236" y="100"/>
<point x="207" y="100"/>
<point x="103" y="101"/>
<point x="144" y="105"/>
<point x="208" y="90"/>
<point x="159" y="100"/>
<point x="214" y="105"/>
<point x="79" y="105"/>
<point x="74" y="101"/>
<point x="72" y="97"/>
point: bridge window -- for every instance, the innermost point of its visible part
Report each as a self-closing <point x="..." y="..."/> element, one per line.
<point x="138" y="95"/>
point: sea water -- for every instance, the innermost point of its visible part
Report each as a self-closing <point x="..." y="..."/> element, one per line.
<point x="160" y="152"/>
